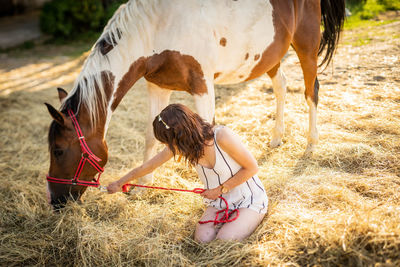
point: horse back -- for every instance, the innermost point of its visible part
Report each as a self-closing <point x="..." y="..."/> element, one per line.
<point x="231" y="41"/>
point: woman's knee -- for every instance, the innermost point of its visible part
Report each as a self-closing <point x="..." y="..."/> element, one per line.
<point x="231" y="236"/>
<point x="205" y="235"/>
<point x="242" y="228"/>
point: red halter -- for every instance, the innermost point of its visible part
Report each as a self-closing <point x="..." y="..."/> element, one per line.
<point x="87" y="156"/>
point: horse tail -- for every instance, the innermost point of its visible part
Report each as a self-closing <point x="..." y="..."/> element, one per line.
<point x="333" y="14"/>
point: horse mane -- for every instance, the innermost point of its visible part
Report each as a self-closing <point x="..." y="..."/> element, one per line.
<point x="88" y="89"/>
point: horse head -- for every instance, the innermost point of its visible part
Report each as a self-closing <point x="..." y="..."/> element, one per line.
<point x="74" y="154"/>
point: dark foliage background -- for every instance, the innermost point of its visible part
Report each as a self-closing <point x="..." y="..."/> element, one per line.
<point x="69" y="19"/>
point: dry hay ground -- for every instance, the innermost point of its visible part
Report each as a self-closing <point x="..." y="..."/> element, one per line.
<point x="339" y="207"/>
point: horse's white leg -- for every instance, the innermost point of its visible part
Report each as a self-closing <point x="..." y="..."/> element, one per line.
<point x="312" y="137"/>
<point x="306" y="44"/>
<point x="205" y="103"/>
<point x="279" y="85"/>
<point x="158" y="100"/>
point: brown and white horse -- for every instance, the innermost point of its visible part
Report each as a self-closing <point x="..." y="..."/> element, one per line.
<point x="188" y="45"/>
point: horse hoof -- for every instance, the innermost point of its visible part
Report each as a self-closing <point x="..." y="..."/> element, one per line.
<point x="310" y="149"/>
<point x="275" y="143"/>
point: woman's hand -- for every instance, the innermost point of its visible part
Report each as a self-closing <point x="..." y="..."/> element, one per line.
<point x="140" y="171"/>
<point x="212" y="193"/>
<point x="114" y="187"/>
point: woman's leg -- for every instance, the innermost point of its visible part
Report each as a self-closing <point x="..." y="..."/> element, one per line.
<point x="242" y="227"/>
<point x="206" y="232"/>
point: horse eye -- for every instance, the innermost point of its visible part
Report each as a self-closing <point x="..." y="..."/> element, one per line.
<point x="58" y="152"/>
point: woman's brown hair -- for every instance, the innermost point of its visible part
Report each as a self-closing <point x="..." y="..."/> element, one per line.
<point x="183" y="131"/>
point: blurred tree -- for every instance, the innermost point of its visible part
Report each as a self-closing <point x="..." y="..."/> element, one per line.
<point x="368" y="9"/>
<point x="10" y="7"/>
<point x="390" y="4"/>
<point x="71" y="18"/>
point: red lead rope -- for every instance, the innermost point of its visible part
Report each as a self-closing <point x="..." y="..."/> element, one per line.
<point x="217" y="220"/>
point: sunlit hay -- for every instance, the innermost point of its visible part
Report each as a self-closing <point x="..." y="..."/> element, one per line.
<point x="339" y="206"/>
<point x="41" y="75"/>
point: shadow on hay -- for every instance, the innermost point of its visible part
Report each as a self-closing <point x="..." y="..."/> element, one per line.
<point x="365" y="250"/>
<point x="355" y="160"/>
<point x="352" y="159"/>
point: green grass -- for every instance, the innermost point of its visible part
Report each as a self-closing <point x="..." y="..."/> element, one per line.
<point x="362" y="41"/>
<point x="354" y="23"/>
<point x="364" y="12"/>
<point x="365" y="32"/>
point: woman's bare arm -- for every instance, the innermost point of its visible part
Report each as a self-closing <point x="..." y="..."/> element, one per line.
<point x="231" y="144"/>
<point x="146" y="168"/>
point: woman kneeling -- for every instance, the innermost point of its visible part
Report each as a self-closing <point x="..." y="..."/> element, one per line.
<point x="223" y="164"/>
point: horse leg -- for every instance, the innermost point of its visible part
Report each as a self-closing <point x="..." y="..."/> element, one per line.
<point x="205" y="103"/>
<point x="309" y="67"/>
<point x="158" y="100"/>
<point x="279" y="85"/>
<point x="306" y="43"/>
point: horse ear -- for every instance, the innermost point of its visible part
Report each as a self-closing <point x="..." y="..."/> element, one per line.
<point x="61" y="94"/>
<point x="57" y="116"/>
<point x="105" y="46"/>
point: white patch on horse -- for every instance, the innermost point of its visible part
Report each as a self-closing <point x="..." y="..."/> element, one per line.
<point x="140" y="30"/>
<point x="205" y="103"/>
<point x="252" y="31"/>
<point x="199" y="34"/>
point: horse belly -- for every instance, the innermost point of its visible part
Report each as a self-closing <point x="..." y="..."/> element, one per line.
<point x="242" y="42"/>
<point x="227" y="38"/>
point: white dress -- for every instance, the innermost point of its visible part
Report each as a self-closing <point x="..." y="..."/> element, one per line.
<point x="250" y="194"/>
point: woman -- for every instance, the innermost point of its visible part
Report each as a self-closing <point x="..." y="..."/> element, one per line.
<point x="223" y="164"/>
